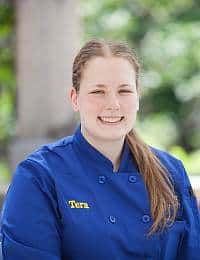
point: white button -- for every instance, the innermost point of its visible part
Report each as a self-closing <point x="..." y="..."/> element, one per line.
<point x="146" y="218"/>
<point x="132" y="178"/>
<point x="102" y="179"/>
<point x="112" y="219"/>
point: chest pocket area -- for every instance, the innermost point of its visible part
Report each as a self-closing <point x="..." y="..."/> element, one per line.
<point x="172" y="239"/>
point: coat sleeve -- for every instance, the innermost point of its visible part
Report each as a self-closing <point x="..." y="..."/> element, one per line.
<point x="190" y="245"/>
<point x="29" y="227"/>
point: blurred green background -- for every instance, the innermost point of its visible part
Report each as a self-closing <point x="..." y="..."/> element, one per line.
<point x="165" y="35"/>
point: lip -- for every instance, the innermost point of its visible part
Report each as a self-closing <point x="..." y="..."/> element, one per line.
<point x="111" y="123"/>
<point x="111" y="116"/>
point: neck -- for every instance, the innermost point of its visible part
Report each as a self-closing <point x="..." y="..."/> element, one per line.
<point x="111" y="149"/>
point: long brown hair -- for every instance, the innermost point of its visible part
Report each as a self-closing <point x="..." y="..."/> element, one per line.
<point x="163" y="201"/>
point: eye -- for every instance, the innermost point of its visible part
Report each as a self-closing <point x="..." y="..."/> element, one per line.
<point x="125" y="91"/>
<point x="97" y="92"/>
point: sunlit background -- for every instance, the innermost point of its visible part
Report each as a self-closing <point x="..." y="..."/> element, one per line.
<point x="165" y="35"/>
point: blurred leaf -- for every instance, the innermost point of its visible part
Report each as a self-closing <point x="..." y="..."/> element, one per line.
<point x="154" y="127"/>
<point x="4" y="173"/>
<point x="191" y="161"/>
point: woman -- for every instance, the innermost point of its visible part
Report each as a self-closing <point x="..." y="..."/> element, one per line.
<point x="101" y="193"/>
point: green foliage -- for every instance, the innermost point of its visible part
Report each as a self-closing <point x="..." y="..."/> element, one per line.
<point x="7" y="78"/>
<point x="5" y="173"/>
<point x="152" y="128"/>
<point x="166" y="37"/>
<point x="191" y="161"/>
<point x="7" y="85"/>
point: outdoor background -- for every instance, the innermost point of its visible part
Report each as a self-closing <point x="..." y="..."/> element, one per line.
<point x="166" y="37"/>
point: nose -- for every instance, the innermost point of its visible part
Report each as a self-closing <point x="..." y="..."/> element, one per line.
<point x="112" y="102"/>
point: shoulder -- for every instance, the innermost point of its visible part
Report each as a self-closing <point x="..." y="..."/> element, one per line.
<point x="167" y="159"/>
<point x="40" y="164"/>
<point x="174" y="167"/>
<point x="51" y="151"/>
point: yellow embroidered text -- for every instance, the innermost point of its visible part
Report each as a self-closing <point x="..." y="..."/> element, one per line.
<point x="77" y="204"/>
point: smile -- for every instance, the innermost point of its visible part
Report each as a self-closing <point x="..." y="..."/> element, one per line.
<point x="111" y="120"/>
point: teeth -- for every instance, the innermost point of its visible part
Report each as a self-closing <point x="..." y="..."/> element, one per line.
<point x="111" y="119"/>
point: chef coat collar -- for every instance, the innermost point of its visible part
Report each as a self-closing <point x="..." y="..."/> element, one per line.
<point x="94" y="155"/>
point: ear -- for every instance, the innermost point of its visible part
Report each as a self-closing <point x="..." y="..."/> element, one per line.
<point x="73" y="96"/>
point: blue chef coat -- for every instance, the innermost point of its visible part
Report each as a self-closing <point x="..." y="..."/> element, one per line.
<point x="65" y="202"/>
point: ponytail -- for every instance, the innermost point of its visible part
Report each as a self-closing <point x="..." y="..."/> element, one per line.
<point x="163" y="201"/>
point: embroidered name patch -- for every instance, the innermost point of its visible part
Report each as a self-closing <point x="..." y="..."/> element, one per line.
<point x="78" y="204"/>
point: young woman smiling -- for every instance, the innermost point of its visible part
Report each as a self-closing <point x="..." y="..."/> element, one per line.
<point x="101" y="193"/>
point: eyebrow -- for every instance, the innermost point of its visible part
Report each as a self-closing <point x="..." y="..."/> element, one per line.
<point x="121" y="85"/>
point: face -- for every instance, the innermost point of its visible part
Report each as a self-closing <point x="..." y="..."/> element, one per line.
<point x="107" y="100"/>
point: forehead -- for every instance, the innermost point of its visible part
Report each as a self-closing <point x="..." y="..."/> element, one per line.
<point x="108" y="69"/>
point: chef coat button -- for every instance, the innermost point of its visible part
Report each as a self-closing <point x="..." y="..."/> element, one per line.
<point x="145" y="218"/>
<point x="102" y="179"/>
<point x="132" y="178"/>
<point x="112" y="219"/>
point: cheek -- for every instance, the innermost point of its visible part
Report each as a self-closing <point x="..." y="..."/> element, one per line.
<point x="90" y="105"/>
<point x="130" y="104"/>
<point x="94" y="102"/>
